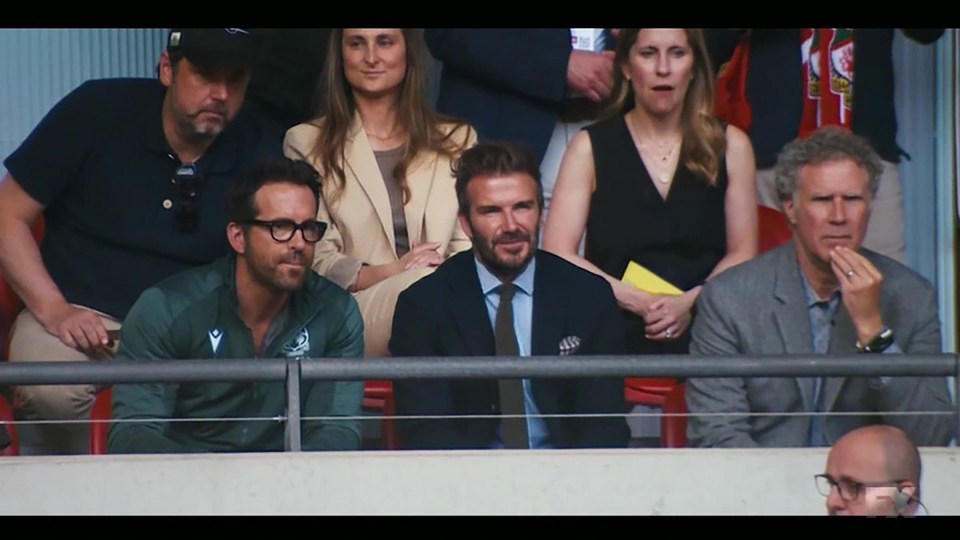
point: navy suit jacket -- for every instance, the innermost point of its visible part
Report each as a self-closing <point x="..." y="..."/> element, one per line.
<point x="444" y="314"/>
<point x="508" y="83"/>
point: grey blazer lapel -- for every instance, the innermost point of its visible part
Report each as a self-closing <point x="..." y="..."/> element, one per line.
<point x="790" y="312"/>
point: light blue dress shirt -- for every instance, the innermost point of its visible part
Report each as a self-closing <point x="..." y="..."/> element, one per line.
<point x="821" y="314"/>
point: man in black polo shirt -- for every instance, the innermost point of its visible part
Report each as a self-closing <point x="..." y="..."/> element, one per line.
<point x="130" y="177"/>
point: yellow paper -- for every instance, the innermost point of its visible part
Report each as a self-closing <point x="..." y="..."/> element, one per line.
<point x="645" y="280"/>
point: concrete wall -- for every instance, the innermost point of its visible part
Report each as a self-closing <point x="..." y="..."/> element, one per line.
<point x="610" y="482"/>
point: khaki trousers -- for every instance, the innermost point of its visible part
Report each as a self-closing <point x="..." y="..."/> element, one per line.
<point x="377" y="304"/>
<point x="30" y="342"/>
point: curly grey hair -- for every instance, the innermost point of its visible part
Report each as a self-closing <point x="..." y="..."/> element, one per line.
<point x="828" y="143"/>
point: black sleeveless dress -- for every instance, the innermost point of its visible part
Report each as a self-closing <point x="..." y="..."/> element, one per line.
<point x="680" y="238"/>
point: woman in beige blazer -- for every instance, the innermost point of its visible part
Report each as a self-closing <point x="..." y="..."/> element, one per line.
<point x="385" y="159"/>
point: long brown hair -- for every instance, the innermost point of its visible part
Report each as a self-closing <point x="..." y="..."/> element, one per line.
<point x="422" y="125"/>
<point x="704" y="140"/>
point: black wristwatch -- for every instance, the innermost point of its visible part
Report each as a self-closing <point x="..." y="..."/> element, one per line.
<point x="878" y="344"/>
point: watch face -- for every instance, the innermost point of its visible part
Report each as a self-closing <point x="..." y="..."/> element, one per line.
<point x="881" y="342"/>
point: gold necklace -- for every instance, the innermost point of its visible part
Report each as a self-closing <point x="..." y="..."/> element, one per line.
<point x="660" y="160"/>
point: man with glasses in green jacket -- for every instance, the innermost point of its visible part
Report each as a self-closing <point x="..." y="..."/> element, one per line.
<point x="261" y="301"/>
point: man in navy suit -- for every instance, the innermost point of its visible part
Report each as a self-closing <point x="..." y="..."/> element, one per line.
<point x="553" y="307"/>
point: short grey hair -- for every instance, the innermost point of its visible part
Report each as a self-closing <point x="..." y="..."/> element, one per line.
<point x="829" y="143"/>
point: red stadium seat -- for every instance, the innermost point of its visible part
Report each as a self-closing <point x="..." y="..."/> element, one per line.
<point x="647" y="390"/>
<point x="773" y="228"/>
<point x="378" y="396"/>
<point x="100" y="416"/>
<point x="673" y="429"/>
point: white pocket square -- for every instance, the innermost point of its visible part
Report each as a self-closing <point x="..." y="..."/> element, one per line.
<point x="569" y="345"/>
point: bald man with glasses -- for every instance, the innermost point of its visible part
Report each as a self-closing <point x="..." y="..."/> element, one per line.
<point x="872" y="471"/>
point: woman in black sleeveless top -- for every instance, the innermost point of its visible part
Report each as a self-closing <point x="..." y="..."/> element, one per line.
<point x="660" y="182"/>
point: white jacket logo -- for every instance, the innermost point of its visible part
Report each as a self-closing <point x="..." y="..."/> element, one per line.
<point x="215" y="335"/>
<point x="299" y="345"/>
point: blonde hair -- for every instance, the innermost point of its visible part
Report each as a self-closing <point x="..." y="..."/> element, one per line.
<point x="704" y="140"/>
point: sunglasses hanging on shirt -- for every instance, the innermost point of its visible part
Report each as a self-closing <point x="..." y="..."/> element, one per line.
<point x="187" y="181"/>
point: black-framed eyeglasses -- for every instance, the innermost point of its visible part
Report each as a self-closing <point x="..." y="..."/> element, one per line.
<point x="282" y="230"/>
<point x="187" y="181"/>
<point x="849" y="489"/>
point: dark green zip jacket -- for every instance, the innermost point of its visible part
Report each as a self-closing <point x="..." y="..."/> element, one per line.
<point x="193" y="315"/>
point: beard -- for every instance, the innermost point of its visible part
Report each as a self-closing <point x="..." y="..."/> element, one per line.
<point x="273" y="276"/>
<point x="193" y="128"/>
<point x="508" y="265"/>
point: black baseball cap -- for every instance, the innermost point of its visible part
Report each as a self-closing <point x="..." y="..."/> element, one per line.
<point x="213" y="48"/>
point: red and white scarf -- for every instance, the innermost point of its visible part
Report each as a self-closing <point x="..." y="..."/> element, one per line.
<point x="827" y="55"/>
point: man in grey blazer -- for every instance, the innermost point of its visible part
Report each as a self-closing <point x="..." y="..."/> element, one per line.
<point x="820" y="293"/>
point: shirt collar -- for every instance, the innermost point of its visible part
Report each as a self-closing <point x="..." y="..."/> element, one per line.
<point x="523" y="282"/>
<point x="811" y="295"/>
